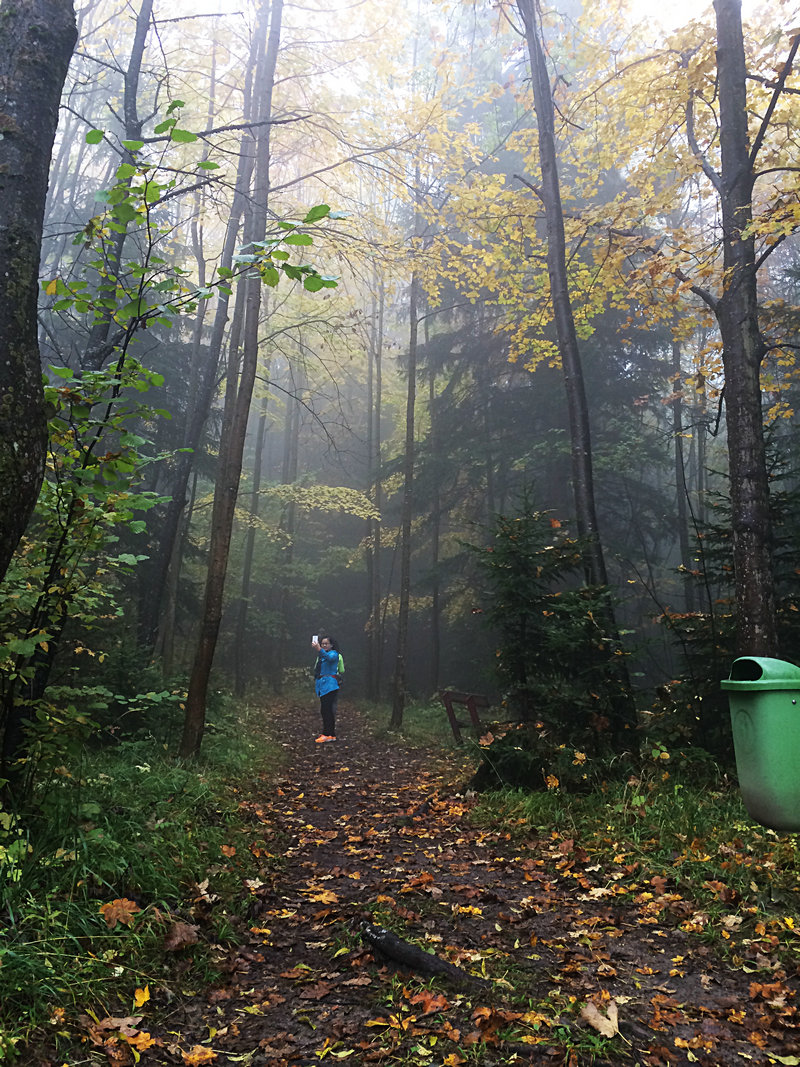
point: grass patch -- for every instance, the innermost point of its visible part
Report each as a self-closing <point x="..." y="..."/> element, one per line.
<point x="425" y="725"/>
<point x="679" y="844"/>
<point x="129" y="848"/>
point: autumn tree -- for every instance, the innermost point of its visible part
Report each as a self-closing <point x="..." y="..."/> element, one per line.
<point x="736" y="309"/>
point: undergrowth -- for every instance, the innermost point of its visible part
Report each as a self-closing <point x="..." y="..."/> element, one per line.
<point x="680" y="844"/>
<point x="665" y="827"/>
<point x="131" y="851"/>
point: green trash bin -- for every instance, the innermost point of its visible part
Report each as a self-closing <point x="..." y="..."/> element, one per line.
<point x="764" y="696"/>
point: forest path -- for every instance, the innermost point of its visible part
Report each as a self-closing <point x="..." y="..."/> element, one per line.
<point x="376" y="831"/>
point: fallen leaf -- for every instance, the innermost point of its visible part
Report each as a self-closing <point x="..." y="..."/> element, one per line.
<point x="607" y="1025"/>
<point x="121" y="910"/>
<point x="141" y="996"/>
<point x="179" y="936"/>
<point x="198" y="1055"/>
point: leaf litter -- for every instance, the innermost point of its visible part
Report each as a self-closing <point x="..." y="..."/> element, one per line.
<point x="574" y="963"/>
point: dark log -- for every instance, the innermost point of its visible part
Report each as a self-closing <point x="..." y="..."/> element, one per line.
<point x="395" y="949"/>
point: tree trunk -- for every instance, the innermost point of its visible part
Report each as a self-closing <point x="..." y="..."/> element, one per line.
<point x="400" y="667"/>
<point x="681" y="484"/>
<point x="580" y="436"/>
<point x="742" y="351"/>
<point x="36" y="42"/>
<point x="436" y="533"/>
<point x="240" y="657"/>
<point x="101" y="343"/>
<point x="154" y="571"/>
<point x="232" y="445"/>
<point x="375" y="386"/>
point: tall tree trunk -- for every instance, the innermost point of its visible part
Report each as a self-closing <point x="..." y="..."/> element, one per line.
<point x="681" y="483"/>
<point x="436" y="533"/>
<point x="36" y="42"/>
<point x="580" y="436"/>
<point x="743" y="349"/>
<point x="400" y="667"/>
<point x="290" y="467"/>
<point x="101" y="341"/>
<point x="231" y="448"/>
<point x="154" y="571"/>
<point x="240" y="631"/>
<point x="375" y="386"/>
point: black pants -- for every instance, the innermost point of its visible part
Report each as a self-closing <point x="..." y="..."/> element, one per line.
<point x="327" y="708"/>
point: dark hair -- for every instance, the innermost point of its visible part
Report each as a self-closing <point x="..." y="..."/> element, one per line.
<point x="333" y="641"/>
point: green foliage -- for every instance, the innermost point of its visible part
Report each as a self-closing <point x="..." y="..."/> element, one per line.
<point x="104" y="836"/>
<point x="531" y="757"/>
<point x="554" y="660"/>
<point x="66" y="574"/>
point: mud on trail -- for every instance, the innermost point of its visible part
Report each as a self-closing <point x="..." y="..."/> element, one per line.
<point x="570" y="963"/>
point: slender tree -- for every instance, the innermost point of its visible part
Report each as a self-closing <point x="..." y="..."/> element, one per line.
<point x="550" y="192"/>
<point x="232" y="444"/>
<point x="399" y="693"/>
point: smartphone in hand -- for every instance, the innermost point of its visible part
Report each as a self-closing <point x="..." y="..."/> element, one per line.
<point x="315" y="639"/>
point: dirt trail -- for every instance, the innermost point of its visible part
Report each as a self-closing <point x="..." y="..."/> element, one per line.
<point x="376" y="832"/>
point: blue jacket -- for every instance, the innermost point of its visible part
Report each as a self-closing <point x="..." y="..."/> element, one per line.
<point x="328" y="668"/>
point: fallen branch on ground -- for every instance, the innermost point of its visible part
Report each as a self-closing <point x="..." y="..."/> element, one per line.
<point x="416" y="959"/>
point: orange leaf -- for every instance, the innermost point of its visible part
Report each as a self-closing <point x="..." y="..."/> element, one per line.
<point x="142" y="1040"/>
<point x="198" y="1055"/>
<point x="430" y="1002"/>
<point x="228" y="850"/>
<point x="121" y="910"/>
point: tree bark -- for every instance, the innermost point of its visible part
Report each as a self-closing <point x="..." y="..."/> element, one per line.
<point x="232" y="445"/>
<point x="100" y="344"/>
<point x="579" y="429"/>
<point x="240" y="657"/>
<point x="36" y="42"/>
<point x="682" y="500"/>
<point x="374" y="389"/>
<point x="400" y="667"/>
<point x="154" y="571"/>
<point x="743" y="349"/>
<point x="436" y="533"/>
<point x="580" y="435"/>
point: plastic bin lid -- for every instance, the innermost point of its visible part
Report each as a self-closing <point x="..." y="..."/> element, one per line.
<point x="762" y="672"/>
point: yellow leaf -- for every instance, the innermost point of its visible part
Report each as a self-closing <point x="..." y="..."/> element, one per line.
<point x="141" y="996"/>
<point x="327" y="896"/>
<point x="52" y="287"/>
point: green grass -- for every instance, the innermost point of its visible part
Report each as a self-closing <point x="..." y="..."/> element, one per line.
<point x="132" y="824"/>
<point x="675" y="816"/>
<point x="425" y="723"/>
<point x="692" y="835"/>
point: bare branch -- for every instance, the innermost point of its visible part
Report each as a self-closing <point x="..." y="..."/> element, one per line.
<point x="779" y="84"/>
<point x="697" y="152"/>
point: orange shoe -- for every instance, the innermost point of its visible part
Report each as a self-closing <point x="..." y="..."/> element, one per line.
<point x="324" y="737"/>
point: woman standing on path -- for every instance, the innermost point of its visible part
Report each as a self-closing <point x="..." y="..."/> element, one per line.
<point x="326" y="685"/>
